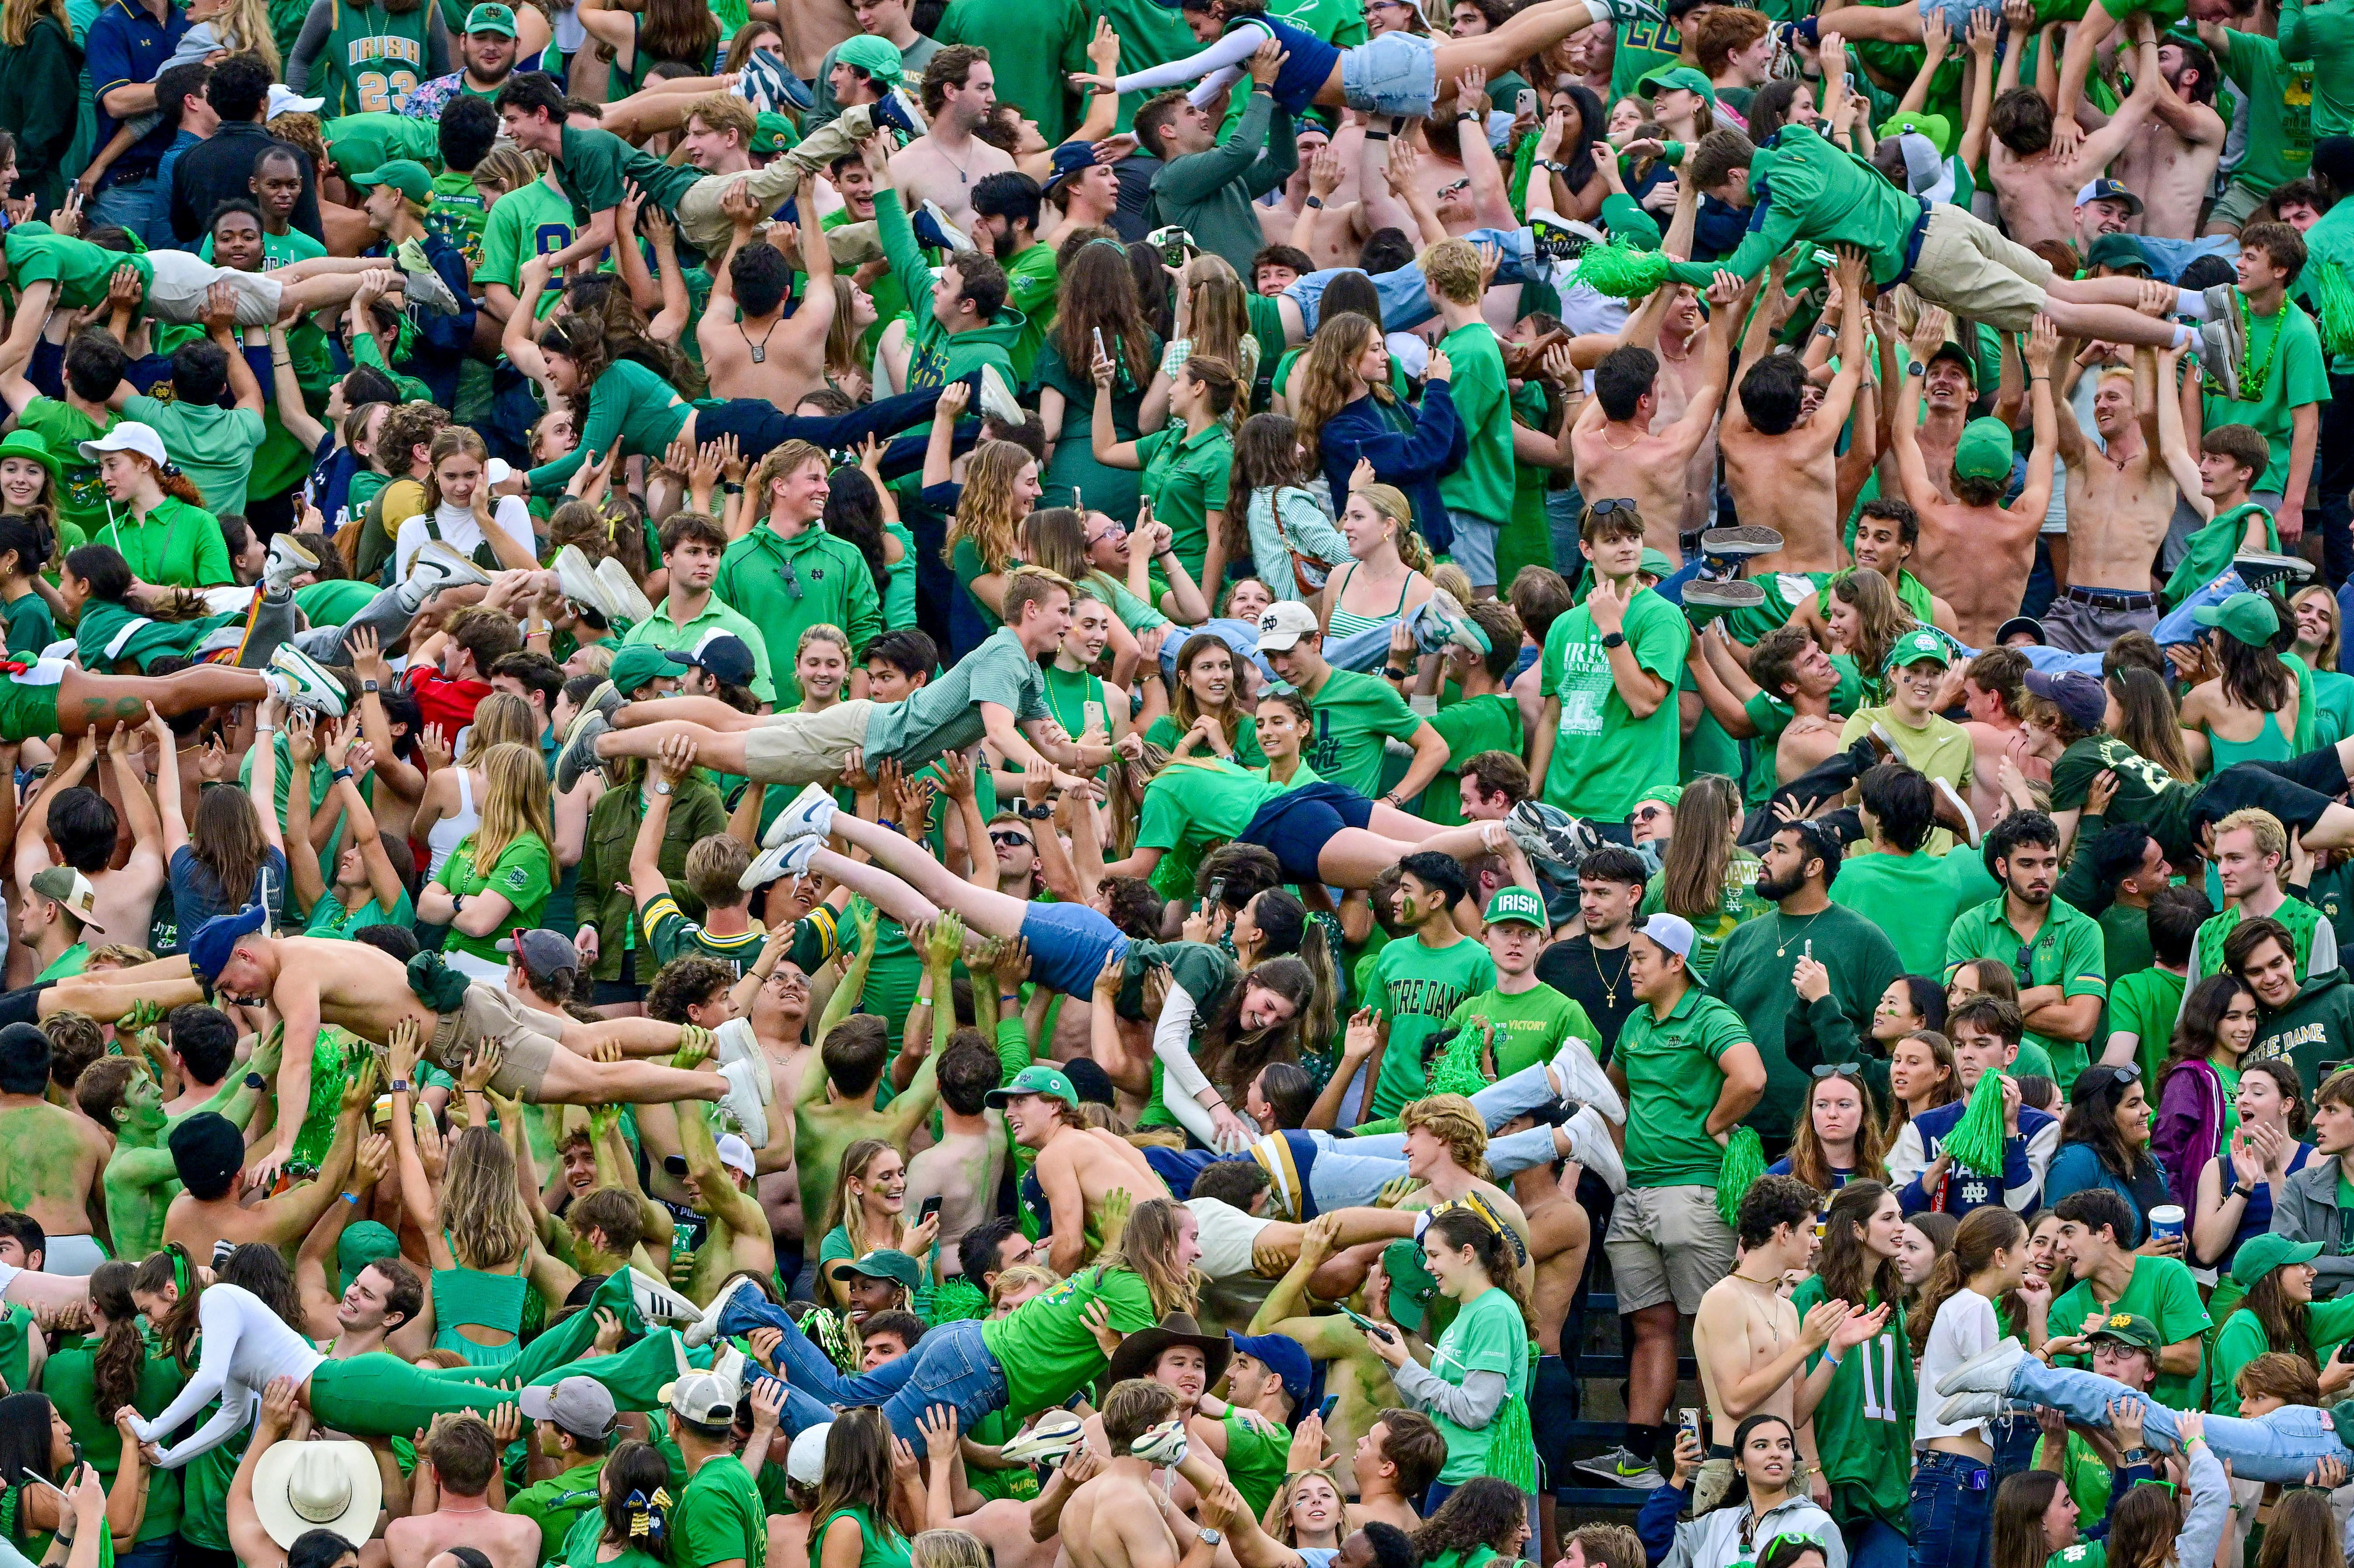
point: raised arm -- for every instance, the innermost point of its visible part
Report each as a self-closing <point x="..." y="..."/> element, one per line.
<point x="2035" y="496"/>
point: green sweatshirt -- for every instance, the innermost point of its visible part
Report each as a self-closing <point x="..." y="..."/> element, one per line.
<point x="2314" y="1031"/>
<point x="1209" y="193"/>
<point x="941" y="356"/>
<point x="1808" y="190"/>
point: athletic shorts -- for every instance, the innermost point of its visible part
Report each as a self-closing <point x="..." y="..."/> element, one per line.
<point x="1971" y="269"/>
<point x="488" y="1013"/>
<point x="181" y="282"/>
<point x="2238" y="204"/>
<point x="29" y="702"/>
<point x="77" y="1255"/>
<point x="1475" y="545"/>
<point x="1667" y="1244"/>
<point x="2297" y="791"/>
<point x="1069" y="945"/>
<point x="1299" y="823"/>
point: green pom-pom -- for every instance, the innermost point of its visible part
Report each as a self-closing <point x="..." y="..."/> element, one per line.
<point x="1744" y="1161"/>
<point x="2335" y="297"/>
<point x="1457" y="1070"/>
<point x="1622" y="272"/>
<point x="1977" y="1141"/>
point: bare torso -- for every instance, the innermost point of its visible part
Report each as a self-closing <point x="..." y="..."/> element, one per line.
<point x="2171" y="174"/>
<point x="508" y="1540"/>
<point x="788" y="370"/>
<point x="927" y="169"/>
<point x="1741" y="1326"/>
<point x="1978" y="559"/>
<point x="53" y="1165"/>
<point x="1789" y="483"/>
<point x="2037" y="195"/>
<point x="1114" y="1522"/>
<point x="811" y="27"/>
<point x="963" y="1171"/>
<point x="2117" y="518"/>
<point x="1681" y="374"/>
<point x="1641" y="469"/>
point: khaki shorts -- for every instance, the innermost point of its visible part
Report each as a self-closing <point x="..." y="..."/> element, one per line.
<point x="1667" y="1244"/>
<point x="490" y="1013"/>
<point x="181" y="282"/>
<point x="2238" y="204"/>
<point x="1970" y="268"/>
<point x="806" y="748"/>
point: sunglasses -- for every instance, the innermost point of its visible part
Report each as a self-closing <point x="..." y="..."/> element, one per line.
<point x="1608" y="503"/>
<point x="1649" y="813"/>
<point x="2129" y="1073"/>
<point x="1847" y="1070"/>
<point x="1005" y="839"/>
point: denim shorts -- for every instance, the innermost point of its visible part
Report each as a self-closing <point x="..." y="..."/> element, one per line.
<point x="1297" y="825"/>
<point x="1475" y="545"/>
<point x="1397" y="73"/>
<point x="1069" y="944"/>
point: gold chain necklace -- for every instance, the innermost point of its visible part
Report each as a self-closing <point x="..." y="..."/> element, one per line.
<point x="1609" y="985"/>
<point x="1783" y="949"/>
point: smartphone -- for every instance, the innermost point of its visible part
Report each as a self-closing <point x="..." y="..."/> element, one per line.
<point x="1217" y="892"/>
<point x="1174" y="248"/>
<point x="1689" y="1421"/>
<point x="1525" y="106"/>
<point x="1098" y="335"/>
<point x="681" y="1239"/>
<point x="931" y="1207"/>
<point x="1362" y="1321"/>
<point x="1324" y="1411"/>
<point x="2345" y="1352"/>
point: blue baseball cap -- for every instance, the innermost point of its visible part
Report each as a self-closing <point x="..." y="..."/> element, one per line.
<point x="1282" y="1355"/>
<point x="218" y="937"/>
<point x="1070" y="158"/>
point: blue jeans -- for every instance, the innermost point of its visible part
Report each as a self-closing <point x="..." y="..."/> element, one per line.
<point x="1952" y="1512"/>
<point x="1875" y="1544"/>
<point x="126" y="203"/>
<point x="948" y="1366"/>
<point x="1405" y="303"/>
<point x="156" y="1553"/>
<point x="2282" y="1447"/>
<point x="2173" y="628"/>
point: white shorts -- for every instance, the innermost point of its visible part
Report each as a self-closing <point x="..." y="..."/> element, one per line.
<point x="76" y="1255"/>
<point x="181" y="282"/>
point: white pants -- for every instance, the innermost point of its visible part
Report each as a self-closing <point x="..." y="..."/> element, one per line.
<point x="181" y="282"/>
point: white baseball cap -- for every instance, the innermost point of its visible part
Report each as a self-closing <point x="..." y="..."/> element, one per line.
<point x="1281" y="626"/>
<point x="284" y="100"/>
<point x="1672" y="932"/>
<point x="128" y="435"/>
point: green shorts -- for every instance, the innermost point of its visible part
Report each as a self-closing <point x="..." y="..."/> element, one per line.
<point x="2238" y="204"/>
<point x="1746" y="626"/>
<point x="29" y="708"/>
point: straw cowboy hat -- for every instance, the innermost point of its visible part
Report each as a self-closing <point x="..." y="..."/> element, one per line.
<point x="302" y="1487"/>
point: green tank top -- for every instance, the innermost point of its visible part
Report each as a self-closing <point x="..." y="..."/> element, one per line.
<point x="900" y="582"/>
<point x="372" y="60"/>
<point x="474" y="1299"/>
<point x="884" y="1548"/>
<point x="2270" y="745"/>
<point x="1348" y="623"/>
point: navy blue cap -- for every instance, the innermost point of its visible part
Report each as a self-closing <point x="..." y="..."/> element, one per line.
<point x="1283" y="1355"/>
<point x="726" y="656"/>
<point x="218" y="937"/>
<point x="1071" y="158"/>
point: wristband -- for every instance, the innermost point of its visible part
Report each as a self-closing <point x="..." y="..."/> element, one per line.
<point x="370" y="688"/>
<point x="2242" y="1192"/>
<point x="732" y="489"/>
<point x="1009" y="996"/>
<point x="1377" y="135"/>
<point x="400" y="1086"/>
<point x="1830" y="1361"/>
<point x="340" y="773"/>
<point x="347" y="1198"/>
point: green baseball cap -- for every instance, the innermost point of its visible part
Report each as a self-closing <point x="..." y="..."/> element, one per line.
<point x="774" y="133"/>
<point x="405" y="176"/>
<point x="2260" y="1255"/>
<point x="1037" y="1078"/>
<point x="1413" y="1286"/>
<point x="1682" y="75"/>
<point x="638" y="663"/>
<point x="365" y="1241"/>
<point x="1915" y="646"/>
<point x="883" y="1262"/>
<point x="1518" y="904"/>
<point x="878" y="57"/>
<point x="1936" y="127"/>
<point x="2119" y="253"/>
<point x="1656" y="564"/>
<point x="1668" y="795"/>
<point x="2128" y="1329"/>
<point x="1984" y="451"/>
<point x="491" y="19"/>
<point x="2246" y="618"/>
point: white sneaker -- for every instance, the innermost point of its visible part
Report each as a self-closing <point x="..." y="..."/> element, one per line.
<point x="735" y="1041"/>
<point x="622" y="593"/>
<point x="997" y="401"/>
<point x="1164" y="1445"/>
<point x="810" y="815"/>
<point x="1988" y="1372"/>
<point x="1581" y="1078"/>
<point x="1056" y="1433"/>
<point x="287" y="561"/>
<point x="1964" y="1407"/>
<point x="657" y="1302"/>
<point x="1590" y="1144"/>
<point x="791" y="858"/>
<point x="749" y="1090"/>
<point x="312" y="684"/>
<point x="706" y="1326"/>
<point x="578" y="581"/>
<point x="445" y="565"/>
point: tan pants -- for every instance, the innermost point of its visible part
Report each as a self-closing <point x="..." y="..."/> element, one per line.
<point x="488" y="1013"/>
<point x="708" y="227"/>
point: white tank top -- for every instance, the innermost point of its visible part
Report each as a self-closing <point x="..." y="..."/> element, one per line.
<point x="451" y="832"/>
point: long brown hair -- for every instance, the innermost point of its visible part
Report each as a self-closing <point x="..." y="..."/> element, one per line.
<point x="173" y="1268"/>
<point x="681" y="30"/>
<point x="857" y="1473"/>
<point x="480" y="1204"/>
<point x="987" y="512"/>
<point x="1981" y="1235"/>
<point x="2143" y="1526"/>
<point x="2148" y="722"/>
<point x="453" y="441"/>
<point x="1096" y="293"/>
<point x="122" y="1355"/>
<point x="225" y="836"/>
<point x="1811" y="1163"/>
<point x="1232" y="1055"/>
<point x="1184" y="708"/>
<point x="2019" y="1508"/>
<point x="2288" y="1324"/>
<point x="2302" y="1533"/>
<point x="1321" y="387"/>
<point x="839" y="1210"/>
<point x="1691" y="878"/>
<point x="1468" y="1228"/>
<point x="17" y="18"/>
<point x="1148" y="1249"/>
<point x="514" y="806"/>
<point x="1880" y="619"/>
<point x="1850" y="1270"/>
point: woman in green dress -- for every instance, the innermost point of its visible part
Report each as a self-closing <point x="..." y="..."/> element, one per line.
<point x="1097" y="303"/>
<point x="630" y="1528"/>
<point x="1207" y="721"/>
<point x="1001" y="487"/>
<point x="480" y="1238"/>
<point x="855" y="1528"/>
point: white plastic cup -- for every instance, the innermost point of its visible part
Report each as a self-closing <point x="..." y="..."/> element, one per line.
<point x="2166" y="1220"/>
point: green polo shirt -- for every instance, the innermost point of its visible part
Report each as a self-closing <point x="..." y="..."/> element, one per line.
<point x="1185" y="478"/>
<point x="555" y="1503"/>
<point x="661" y="632"/>
<point x="2067" y="952"/>
<point x="178" y="545"/>
<point x="758" y="578"/>
<point x="1672" y="1084"/>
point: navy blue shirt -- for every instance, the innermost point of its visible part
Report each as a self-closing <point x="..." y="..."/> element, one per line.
<point x="128" y="46"/>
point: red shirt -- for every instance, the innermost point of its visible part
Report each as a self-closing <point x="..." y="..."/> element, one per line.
<point x="447" y="706"/>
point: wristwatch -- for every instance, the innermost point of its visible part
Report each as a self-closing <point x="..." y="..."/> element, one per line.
<point x="662" y="786"/>
<point x="370" y="686"/>
<point x="256" y="1082"/>
<point x="1212" y="1536"/>
<point x="1614" y="639"/>
<point x="1315" y="201"/>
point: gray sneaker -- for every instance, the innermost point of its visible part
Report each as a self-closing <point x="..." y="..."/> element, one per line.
<point x="1723" y="593"/>
<point x="2221" y="346"/>
<point x="1740" y="542"/>
<point x="2260" y="570"/>
<point x="1620" y="1465"/>
<point x="579" y="757"/>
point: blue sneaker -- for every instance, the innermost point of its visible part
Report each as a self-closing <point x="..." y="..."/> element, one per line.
<point x="768" y="85"/>
<point x="898" y="110"/>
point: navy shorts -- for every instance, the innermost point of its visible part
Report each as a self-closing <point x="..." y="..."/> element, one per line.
<point x="1069" y="944"/>
<point x="1299" y="823"/>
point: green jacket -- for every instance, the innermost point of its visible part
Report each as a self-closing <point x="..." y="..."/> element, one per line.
<point x="1209" y="193"/>
<point x="2314" y="1031"/>
<point x="1807" y="189"/>
<point x="941" y="356"/>
<point x="695" y="812"/>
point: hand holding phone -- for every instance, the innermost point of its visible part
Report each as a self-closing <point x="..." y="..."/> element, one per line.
<point x="1324" y="1411"/>
<point x="929" y="1208"/>
<point x="1369" y="1326"/>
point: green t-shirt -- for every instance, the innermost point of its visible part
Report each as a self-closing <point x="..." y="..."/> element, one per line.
<point x="1529" y="1027"/>
<point x="2161" y="1290"/>
<point x="1192" y="804"/>
<point x="81" y="500"/>
<point x="1353" y="714"/>
<point x="2279" y="96"/>
<point x="579" y="1547"/>
<point x="1243" y="737"/>
<point x="1420" y="987"/>
<point x="1185" y="478"/>
<point x="38" y="254"/>
<point x="1863" y="1423"/>
<point x="2284" y="370"/>
<point x="1909" y="897"/>
<point x="1488" y="723"/>
<point x="2145" y="1005"/>
<point x="69" y="1379"/>
<point x="213" y="447"/>
<point x="1489" y="1335"/>
<point x="533" y="221"/>
<point x="558" y="1503"/>
<point x="1603" y="756"/>
<point x="330" y="919"/>
<point x="720" y="1516"/>
<point x="592" y="167"/>
<point x="944" y="715"/>
<point x="522" y="876"/>
<point x="1044" y="1345"/>
<point x="1672" y="1084"/>
<point x="361" y="144"/>
<point x="31" y="627"/>
<point x="1482" y="486"/>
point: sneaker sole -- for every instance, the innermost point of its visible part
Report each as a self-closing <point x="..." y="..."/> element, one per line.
<point x="1747" y="539"/>
<point x="291" y="661"/>
<point x="1737" y="593"/>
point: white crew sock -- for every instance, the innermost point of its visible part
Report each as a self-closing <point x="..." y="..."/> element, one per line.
<point x="2191" y="302"/>
<point x="2186" y="337"/>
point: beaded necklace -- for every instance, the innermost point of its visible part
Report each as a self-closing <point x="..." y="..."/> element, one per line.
<point x="2255" y="372"/>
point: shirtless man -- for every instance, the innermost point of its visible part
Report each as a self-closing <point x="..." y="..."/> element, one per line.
<point x="208" y="1155"/>
<point x="1994" y="690"/>
<point x="463" y="1457"/>
<point x="2173" y="166"/>
<point x="1078" y="1167"/>
<point x="1887" y="534"/>
<point x="767" y="353"/>
<point x="119" y="1095"/>
<point x="2036" y="184"/>
<point x="2120" y="500"/>
<point x="1682" y="377"/>
<point x="1976" y="551"/>
<point x="1615" y="450"/>
<point x="944" y="164"/>
<point x="80" y="832"/>
<point x="811" y="27"/>
<point x="835" y="1106"/>
<point x="964" y="1169"/>
<point x="1950" y="383"/>
<point x="55" y="1156"/>
<point x="1117" y="1520"/>
<point x="1353" y="1373"/>
<point x="1782" y="470"/>
<point x="720" y="1176"/>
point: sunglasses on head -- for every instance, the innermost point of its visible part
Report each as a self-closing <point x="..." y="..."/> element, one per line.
<point x="1847" y="1070"/>
<point x="1608" y="503"/>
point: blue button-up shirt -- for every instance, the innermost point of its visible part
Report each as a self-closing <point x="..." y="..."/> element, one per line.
<point x="127" y="46"/>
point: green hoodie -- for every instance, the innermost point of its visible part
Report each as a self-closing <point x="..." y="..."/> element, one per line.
<point x="2314" y="1031"/>
<point x="1807" y="189"/>
<point x="941" y="356"/>
<point x="2212" y="550"/>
